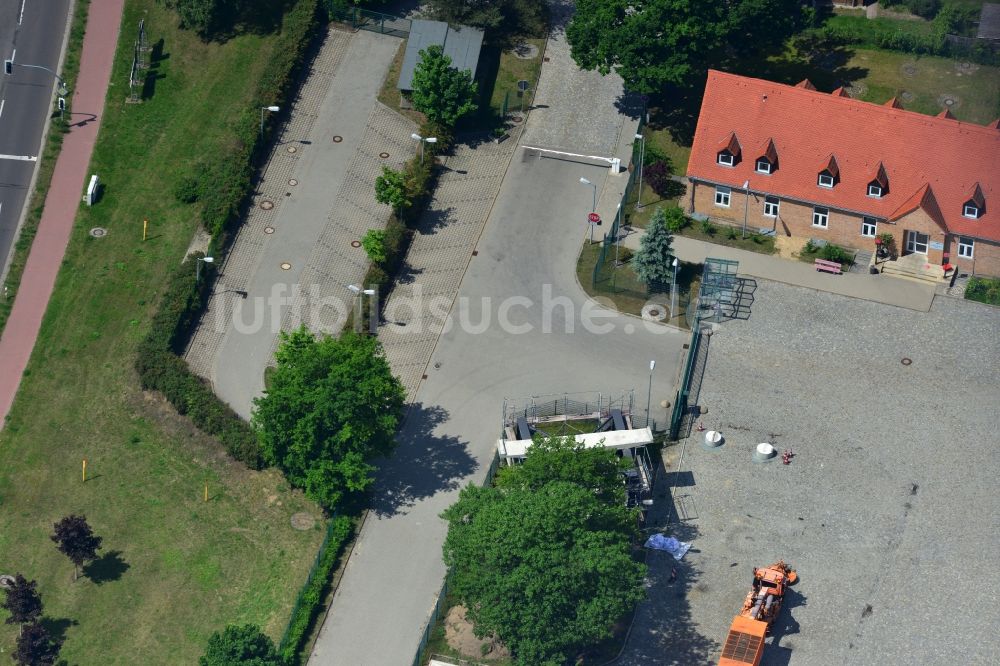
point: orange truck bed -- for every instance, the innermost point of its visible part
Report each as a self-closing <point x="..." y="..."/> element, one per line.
<point x="745" y="642"/>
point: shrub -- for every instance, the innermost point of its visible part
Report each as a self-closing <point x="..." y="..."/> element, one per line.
<point x="374" y="244"/>
<point x="731" y="233"/>
<point x="831" y="252"/>
<point x="809" y="247"/>
<point x="657" y="175"/>
<point x="707" y="228"/>
<point x="676" y="220"/>
<point x="187" y="190"/>
<point x="983" y="290"/>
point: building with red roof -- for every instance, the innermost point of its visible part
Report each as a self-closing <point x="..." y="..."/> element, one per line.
<point x="822" y="165"/>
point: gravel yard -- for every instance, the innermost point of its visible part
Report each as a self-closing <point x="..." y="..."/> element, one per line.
<point x="888" y="510"/>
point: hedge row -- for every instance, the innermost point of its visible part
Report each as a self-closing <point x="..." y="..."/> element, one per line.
<point x="421" y="177"/>
<point x="906" y="36"/>
<point x="225" y="183"/>
<point x="311" y="597"/>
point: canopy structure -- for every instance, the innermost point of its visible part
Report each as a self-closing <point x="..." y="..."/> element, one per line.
<point x="625" y="440"/>
<point x="461" y="44"/>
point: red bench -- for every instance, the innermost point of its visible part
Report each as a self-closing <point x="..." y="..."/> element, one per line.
<point x="828" y="266"/>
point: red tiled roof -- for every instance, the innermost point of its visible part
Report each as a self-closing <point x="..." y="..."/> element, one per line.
<point x="995" y="124"/>
<point x="922" y="198"/>
<point x="769" y="151"/>
<point x="805" y="83"/>
<point x="930" y="162"/>
<point x="829" y="164"/>
<point x="879" y="176"/>
<point x="731" y="144"/>
<point x="840" y="92"/>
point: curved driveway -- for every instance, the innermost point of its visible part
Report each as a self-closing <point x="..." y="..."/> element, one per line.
<point x="529" y="248"/>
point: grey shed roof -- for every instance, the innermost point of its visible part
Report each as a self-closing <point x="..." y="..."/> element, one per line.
<point x="989" y="21"/>
<point x="461" y="44"/>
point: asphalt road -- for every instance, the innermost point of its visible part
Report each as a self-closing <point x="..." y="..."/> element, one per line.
<point x="32" y="31"/>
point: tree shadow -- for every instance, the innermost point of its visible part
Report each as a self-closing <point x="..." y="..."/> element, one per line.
<point x="109" y="567"/>
<point x="424" y="463"/>
<point x="153" y="74"/>
<point x="434" y="219"/>
<point x="57" y="627"/>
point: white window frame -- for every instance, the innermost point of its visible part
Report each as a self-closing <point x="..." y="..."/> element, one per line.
<point x="875" y="190"/>
<point x="966" y="247"/>
<point x="763" y="162"/>
<point x="869" y="227"/>
<point x="771" y="207"/>
<point x="725" y="155"/>
<point x="974" y="214"/>
<point x="824" y="217"/>
<point x="723" y="195"/>
<point x="827" y="177"/>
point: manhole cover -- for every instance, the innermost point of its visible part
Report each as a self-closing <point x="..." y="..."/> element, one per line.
<point x="293" y="149"/>
<point x="383" y="155"/>
<point x="355" y="243"/>
<point x="337" y="138"/>
<point x="303" y="521"/>
<point x="906" y="96"/>
<point x="949" y="101"/>
<point x="268" y="230"/>
<point x="266" y="204"/>
<point x="909" y="69"/>
<point x="526" y="51"/>
<point x="654" y="312"/>
<point x="98" y="232"/>
<point x="285" y="266"/>
<point x="7" y="581"/>
<point x="906" y="361"/>
<point x="965" y="67"/>
<point x="293" y="182"/>
<point x="516" y="119"/>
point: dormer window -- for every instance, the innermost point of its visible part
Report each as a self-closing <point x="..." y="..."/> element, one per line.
<point x="875" y="190"/>
<point x="828" y="172"/>
<point x="971" y="210"/>
<point x="726" y="158"/>
<point x="763" y="165"/>
<point x="825" y="179"/>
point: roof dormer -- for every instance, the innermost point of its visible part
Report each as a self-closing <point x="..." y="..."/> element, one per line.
<point x="805" y="83"/>
<point x="878" y="186"/>
<point x="894" y="103"/>
<point x="829" y="172"/>
<point x="975" y="205"/>
<point x="767" y="161"/>
<point x="946" y="114"/>
<point x="728" y="152"/>
<point x="840" y="92"/>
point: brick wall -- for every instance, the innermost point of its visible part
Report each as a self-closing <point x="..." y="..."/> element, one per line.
<point x="985" y="257"/>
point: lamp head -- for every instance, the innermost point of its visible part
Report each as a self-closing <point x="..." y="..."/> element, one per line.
<point x="416" y="137"/>
<point x="432" y="139"/>
<point x="208" y="260"/>
<point x="354" y="289"/>
<point x="275" y="109"/>
<point x="368" y="292"/>
<point x="638" y="136"/>
<point x="585" y="181"/>
<point x="652" y="364"/>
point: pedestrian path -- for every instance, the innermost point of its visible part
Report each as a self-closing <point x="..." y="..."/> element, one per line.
<point x="62" y="201"/>
<point x="879" y="288"/>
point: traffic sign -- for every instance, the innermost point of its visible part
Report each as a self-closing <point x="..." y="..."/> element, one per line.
<point x="594" y="218"/>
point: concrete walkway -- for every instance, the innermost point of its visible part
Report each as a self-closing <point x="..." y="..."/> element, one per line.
<point x="879" y="288"/>
<point x="62" y="201"/>
<point x="316" y="197"/>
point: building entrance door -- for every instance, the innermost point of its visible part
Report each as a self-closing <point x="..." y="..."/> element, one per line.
<point x="916" y="242"/>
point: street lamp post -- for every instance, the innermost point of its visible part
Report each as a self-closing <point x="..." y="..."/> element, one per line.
<point x="642" y="158"/>
<point x="272" y="109"/>
<point x="649" y="392"/>
<point x="673" y="289"/>
<point x="593" y="207"/>
<point x="618" y="232"/>
<point x="360" y="293"/>
<point x="197" y="270"/>
<point x="8" y="69"/>
<point x="746" y="206"/>
<point x="423" y="140"/>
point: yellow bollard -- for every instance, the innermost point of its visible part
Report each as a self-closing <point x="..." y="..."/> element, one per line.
<point x="145" y="225"/>
<point x="84" y="470"/>
<point x="206" y="491"/>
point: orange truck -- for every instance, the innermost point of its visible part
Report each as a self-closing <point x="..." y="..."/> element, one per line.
<point x="745" y="642"/>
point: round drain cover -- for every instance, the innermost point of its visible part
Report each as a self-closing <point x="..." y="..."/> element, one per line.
<point x="266" y="204"/>
<point x="383" y="155"/>
<point x="268" y="230"/>
<point x="98" y="232"/>
<point x="293" y="182"/>
<point x="355" y="243"/>
<point x="285" y="266"/>
<point x="293" y="149"/>
<point x="337" y="138"/>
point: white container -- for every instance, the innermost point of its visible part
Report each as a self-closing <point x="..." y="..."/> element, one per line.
<point x="713" y="438"/>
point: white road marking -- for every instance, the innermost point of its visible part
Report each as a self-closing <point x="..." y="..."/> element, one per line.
<point x="22" y="158"/>
<point x="21" y="17"/>
<point x="2" y="102"/>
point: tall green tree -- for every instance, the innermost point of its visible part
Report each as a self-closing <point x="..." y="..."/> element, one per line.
<point x="332" y="405"/>
<point x="547" y="571"/>
<point x="390" y="189"/>
<point x="36" y="647"/>
<point x="441" y="92"/>
<point x="562" y="459"/>
<point x="244" y="645"/>
<point x="653" y="262"/>
<point x="74" y="539"/>
<point x="22" y="601"/>
<point x="658" y="43"/>
<point x="502" y="20"/>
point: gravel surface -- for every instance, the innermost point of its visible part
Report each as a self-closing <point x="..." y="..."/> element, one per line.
<point x="888" y="509"/>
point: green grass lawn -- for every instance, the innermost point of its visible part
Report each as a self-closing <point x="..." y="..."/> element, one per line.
<point x="513" y="69"/>
<point x="190" y="566"/>
<point x="977" y="92"/>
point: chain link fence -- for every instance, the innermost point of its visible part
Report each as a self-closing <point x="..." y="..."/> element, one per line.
<point x="365" y="19"/>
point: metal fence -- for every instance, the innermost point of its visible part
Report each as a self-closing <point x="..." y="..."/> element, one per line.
<point x="305" y="586"/>
<point x="364" y="19"/>
<point x="439" y="605"/>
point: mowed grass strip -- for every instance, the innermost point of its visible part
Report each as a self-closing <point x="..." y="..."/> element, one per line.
<point x="185" y="566"/>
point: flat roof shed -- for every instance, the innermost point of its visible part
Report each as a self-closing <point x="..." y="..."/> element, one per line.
<point x="461" y="44"/>
<point x="989" y="21"/>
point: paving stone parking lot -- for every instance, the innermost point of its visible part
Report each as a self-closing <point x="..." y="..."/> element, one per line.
<point x="888" y="509"/>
